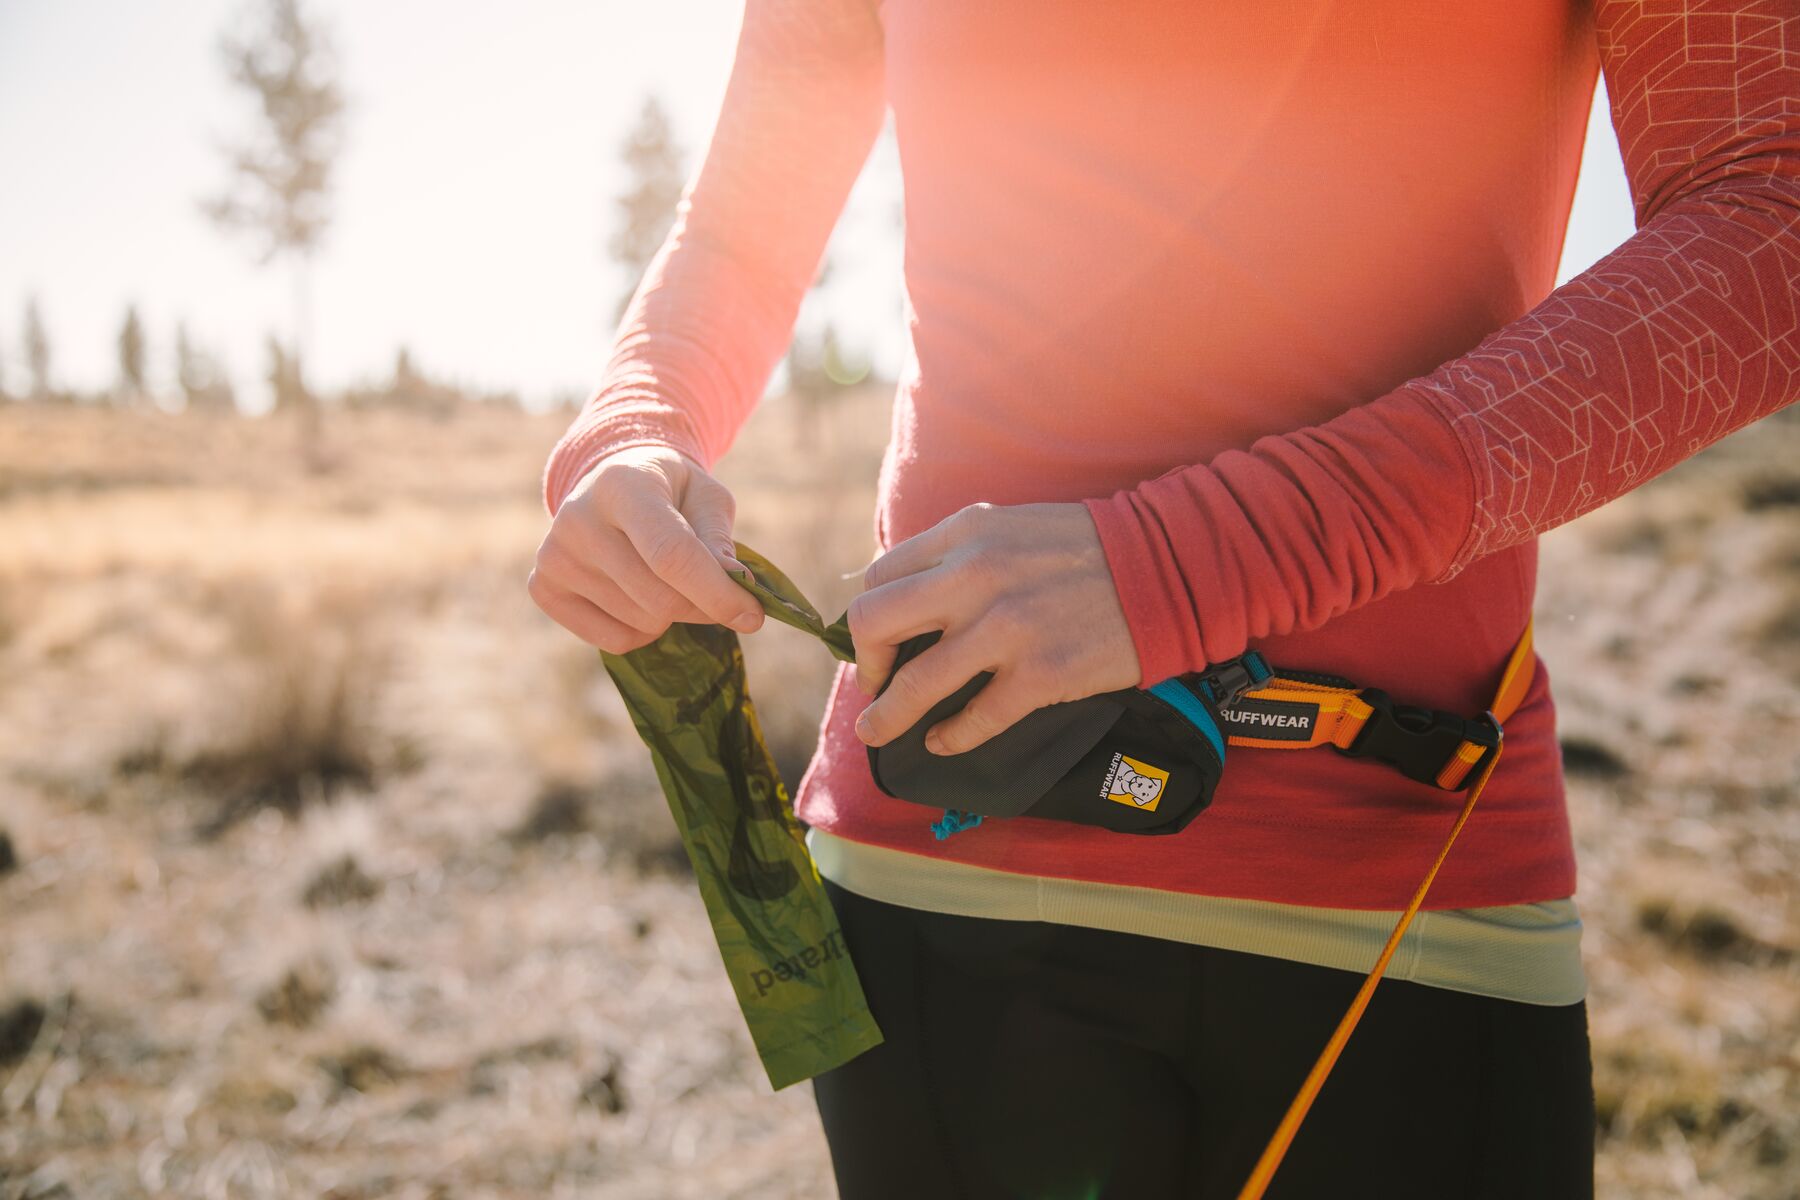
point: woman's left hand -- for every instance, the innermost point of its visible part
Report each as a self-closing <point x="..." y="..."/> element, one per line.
<point x="1022" y="590"/>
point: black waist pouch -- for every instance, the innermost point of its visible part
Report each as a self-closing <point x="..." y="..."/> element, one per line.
<point x="1134" y="761"/>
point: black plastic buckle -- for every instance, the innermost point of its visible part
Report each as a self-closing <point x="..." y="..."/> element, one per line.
<point x="1420" y="742"/>
<point x="1230" y="679"/>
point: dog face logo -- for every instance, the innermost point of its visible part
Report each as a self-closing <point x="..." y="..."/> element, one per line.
<point x="1135" y="783"/>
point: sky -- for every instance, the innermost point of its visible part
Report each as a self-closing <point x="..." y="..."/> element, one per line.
<point x="472" y="204"/>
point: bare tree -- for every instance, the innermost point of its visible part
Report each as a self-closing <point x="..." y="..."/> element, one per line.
<point x="132" y="392"/>
<point x="37" y="352"/>
<point x="282" y="59"/>
<point x="647" y="208"/>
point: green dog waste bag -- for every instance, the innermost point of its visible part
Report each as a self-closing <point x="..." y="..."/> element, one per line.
<point x="777" y="931"/>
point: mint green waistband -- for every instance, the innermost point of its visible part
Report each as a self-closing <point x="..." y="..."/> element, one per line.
<point x="1525" y="952"/>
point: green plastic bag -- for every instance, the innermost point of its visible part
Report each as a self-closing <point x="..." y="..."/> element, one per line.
<point x="776" y="929"/>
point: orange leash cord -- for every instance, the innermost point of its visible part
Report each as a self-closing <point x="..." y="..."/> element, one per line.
<point x="1513" y="684"/>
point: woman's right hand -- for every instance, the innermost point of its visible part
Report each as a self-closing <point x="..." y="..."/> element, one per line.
<point x="641" y="542"/>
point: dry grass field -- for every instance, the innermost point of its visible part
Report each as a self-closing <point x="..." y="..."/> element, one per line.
<point x="330" y="866"/>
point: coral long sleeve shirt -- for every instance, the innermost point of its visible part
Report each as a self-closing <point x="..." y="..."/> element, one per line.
<point x="1269" y="289"/>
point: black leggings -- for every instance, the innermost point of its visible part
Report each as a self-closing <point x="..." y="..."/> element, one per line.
<point x="1037" y="1061"/>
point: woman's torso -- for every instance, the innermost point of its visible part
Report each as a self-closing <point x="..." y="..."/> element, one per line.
<point x="1139" y="234"/>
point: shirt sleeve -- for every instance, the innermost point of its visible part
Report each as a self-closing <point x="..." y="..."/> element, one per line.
<point x="1687" y="331"/>
<point x="715" y="309"/>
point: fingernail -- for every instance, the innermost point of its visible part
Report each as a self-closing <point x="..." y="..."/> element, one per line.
<point x="863" y="730"/>
<point x="745" y="623"/>
<point x="934" y="743"/>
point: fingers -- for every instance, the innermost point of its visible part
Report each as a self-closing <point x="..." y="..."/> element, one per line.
<point x="580" y="617"/>
<point x="674" y="553"/>
<point x="905" y="594"/>
<point x="1002" y="702"/>
<point x="616" y="562"/>
<point x="883" y="618"/>
<point x="601" y="567"/>
<point x="621" y="563"/>
<point x="942" y="668"/>
<point x="923" y="549"/>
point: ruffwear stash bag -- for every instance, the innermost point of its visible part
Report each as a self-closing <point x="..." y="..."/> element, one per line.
<point x="1133" y="761"/>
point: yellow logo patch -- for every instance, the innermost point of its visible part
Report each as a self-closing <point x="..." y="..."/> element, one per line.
<point x="1135" y="783"/>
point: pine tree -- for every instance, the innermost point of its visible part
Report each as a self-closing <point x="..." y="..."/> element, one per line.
<point x="37" y="352"/>
<point x="132" y="392"/>
<point x="647" y="208"/>
<point x="190" y="370"/>
<point x="284" y="378"/>
<point x="407" y="378"/>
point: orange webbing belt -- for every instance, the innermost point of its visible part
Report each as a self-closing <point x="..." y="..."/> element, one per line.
<point x="1349" y="712"/>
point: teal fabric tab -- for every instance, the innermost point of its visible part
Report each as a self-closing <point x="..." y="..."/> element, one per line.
<point x="1189" y="706"/>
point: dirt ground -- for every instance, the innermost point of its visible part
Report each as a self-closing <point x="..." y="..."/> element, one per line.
<point x="330" y="866"/>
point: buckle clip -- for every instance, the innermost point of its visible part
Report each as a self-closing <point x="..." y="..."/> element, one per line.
<point x="1420" y="742"/>
<point x="1225" y="682"/>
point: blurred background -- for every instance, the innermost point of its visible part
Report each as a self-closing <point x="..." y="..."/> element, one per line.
<point x="330" y="866"/>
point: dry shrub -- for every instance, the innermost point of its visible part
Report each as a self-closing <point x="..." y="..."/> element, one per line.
<point x="10" y="620"/>
<point x="1779" y="629"/>
<point x="627" y="813"/>
<point x="602" y="1090"/>
<point x="300" y="995"/>
<point x="304" y="728"/>
<point x="340" y="883"/>
<point x="488" y="1073"/>
<point x="561" y="809"/>
<point x="363" y="1067"/>
<point x="1585" y="756"/>
<point x="20" y="1021"/>
<point x="1707" y="930"/>
<point x="1638" y="1095"/>
<point x="1767" y="491"/>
